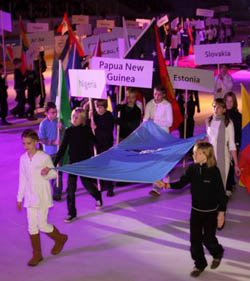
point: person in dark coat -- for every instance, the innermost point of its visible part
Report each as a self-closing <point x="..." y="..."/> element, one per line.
<point x="3" y="98"/>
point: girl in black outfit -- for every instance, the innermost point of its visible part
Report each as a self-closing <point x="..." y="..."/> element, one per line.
<point x="208" y="205"/>
<point x="235" y="116"/>
<point x="79" y="139"/>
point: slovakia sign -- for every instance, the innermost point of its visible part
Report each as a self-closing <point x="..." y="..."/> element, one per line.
<point x="88" y="83"/>
<point x="218" y="53"/>
<point x="123" y="72"/>
<point x="191" y="79"/>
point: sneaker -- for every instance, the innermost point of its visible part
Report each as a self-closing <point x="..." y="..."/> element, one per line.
<point x="215" y="263"/>
<point x="154" y="193"/>
<point x="196" y="272"/>
<point x="110" y="193"/>
<point x="70" y="219"/>
<point x="98" y="204"/>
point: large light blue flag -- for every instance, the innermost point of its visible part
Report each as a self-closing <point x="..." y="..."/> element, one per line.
<point x="145" y="156"/>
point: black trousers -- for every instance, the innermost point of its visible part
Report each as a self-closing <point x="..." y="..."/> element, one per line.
<point x="203" y="227"/>
<point x="21" y="100"/>
<point x="71" y="189"/>
<point x="3" y="105"/>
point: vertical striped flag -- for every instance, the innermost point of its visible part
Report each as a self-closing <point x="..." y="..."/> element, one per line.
<point x="245" y="140"/>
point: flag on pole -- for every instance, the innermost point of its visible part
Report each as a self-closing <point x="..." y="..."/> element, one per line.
<point x="10" y="52"/>
<point x="24" y="46"/>
<point x="245" y="140"/>
<point x="65" y="27"/>
<point x="98" y="49"/>
<point x="62" y="99"/>
<point x="147" y="47"/>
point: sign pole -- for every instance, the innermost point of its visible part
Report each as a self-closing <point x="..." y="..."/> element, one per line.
<point x="185" y="121"/>
<point x="119" y="115"/>
<point x="92" y="122"/>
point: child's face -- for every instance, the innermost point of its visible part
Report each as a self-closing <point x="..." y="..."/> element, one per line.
<point x="229" y="102"/>
<point x="131" y="98"/>
<point x="100" y="109"/>
<point x="76" y="119"/>
<point x="29" y="144"/>
<point x="219" y="110"/>
<point x="52" y="114"/>
<point x="199" y="156"/>
<point x="158" y="96"/>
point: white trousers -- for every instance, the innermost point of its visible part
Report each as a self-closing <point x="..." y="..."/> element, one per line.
<point x="37" y="220"/>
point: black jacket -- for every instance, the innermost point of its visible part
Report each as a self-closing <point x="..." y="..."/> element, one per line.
<point x="207" y="188"/>
<point x="80" y="141"/>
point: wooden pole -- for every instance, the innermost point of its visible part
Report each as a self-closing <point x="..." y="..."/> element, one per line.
<point x="185" y="122"/>
<point x="118" y="115"/>
<point x="95" y="151"/>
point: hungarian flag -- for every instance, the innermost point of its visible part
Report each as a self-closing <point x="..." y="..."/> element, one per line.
<point x="147" y="47"/>
<point x="65" y="27"/>
<point x="245" y="140"/>
<point x="62" y="99"/>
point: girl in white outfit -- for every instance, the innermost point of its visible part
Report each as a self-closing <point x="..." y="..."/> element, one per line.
<point x="36" y="169"/>
<point x="220" y="133"/>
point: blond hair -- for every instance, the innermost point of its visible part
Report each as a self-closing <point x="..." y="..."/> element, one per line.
<point x="81" y="112"/>
<point x="208" y="150"/>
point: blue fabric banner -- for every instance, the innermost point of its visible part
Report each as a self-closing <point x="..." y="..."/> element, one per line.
<point x="146" y="156"/>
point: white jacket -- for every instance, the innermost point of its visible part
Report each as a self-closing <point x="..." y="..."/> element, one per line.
<point x="160" y="113"/>
<point x="33" y="187"/>
<point x="226" y="85"/>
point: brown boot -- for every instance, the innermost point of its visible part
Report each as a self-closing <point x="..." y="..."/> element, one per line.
<point x="60" y="240"/>
<point x="36" y="246"/>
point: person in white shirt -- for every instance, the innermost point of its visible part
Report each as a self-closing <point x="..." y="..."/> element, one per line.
<point x="159" y="109"/>
<point x="223" y="83"/>
<point x="36" y="169"/>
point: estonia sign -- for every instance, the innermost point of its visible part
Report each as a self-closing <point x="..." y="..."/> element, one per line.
<point x="87" y="83"/>
<point x="123" y="72"/>
<point x="218" y="53"/>
<point x="191" y="79"/>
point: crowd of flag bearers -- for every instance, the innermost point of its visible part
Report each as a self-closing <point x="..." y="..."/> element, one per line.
<point x="91" y="129"/>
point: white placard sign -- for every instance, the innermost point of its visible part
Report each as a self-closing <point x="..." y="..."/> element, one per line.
<point x="227" y="21"/>
<point x="42" y="38"/>
<point x="5" y="21"/>
<point x="191" y="79"/>
<point x="37" y="27"/>
<point x="204" y="13"/>
<point x="174" y="23"/>
<point x="143" y="22"/>
<point x="88" y="83"/>
<point x="80" y="19"/>
<point x="162" y="21"/>
<point x="83" y="29"/>
<point x="109" y="45"/>
<point x="123" y="72"/>
<point x="105" y="23"/>
<point x="132" y="23"/>
<point x="218" y="53"/>
<point x="212" y="21"/>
